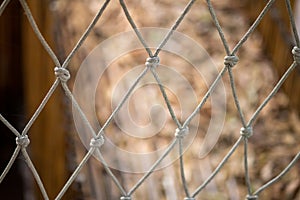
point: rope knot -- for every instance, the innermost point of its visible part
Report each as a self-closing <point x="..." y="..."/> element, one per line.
<point x="231" y="61"/>
<point x="22" y="141"/>
<point x="251" y="197"/>
<point x="246" y="132"/>
<point x="125" y="198"/>
<point x="181" y="132"/>
<point x="296" y="54"/>
<point x="62" y="73"/>
<point x="97" y="142"/>
<point x="152" y="62"/>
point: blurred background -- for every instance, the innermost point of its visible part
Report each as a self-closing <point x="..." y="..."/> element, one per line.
<point x="26" y="74"/>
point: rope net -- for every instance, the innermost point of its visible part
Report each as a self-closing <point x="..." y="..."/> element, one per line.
<point x="152" y="64"/>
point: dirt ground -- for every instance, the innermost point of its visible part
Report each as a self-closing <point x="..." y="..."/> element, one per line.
<point x="276" y="131"/>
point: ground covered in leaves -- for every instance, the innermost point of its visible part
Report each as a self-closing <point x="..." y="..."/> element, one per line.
<point x="276" y="131"/>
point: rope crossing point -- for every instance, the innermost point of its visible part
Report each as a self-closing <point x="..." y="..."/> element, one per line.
<point x="246" y="132"/>
<point x="250" y="197"/>
<point x="22" y="141"/>
<point x="97" y="142"/>
<point x="181" y="132"/>
<point x="296" y="54"/>
<point x="62" y="73"/>
<point x="152" y="62"/>
<point x="231" y="61"/>
<point x="125" y="198"/>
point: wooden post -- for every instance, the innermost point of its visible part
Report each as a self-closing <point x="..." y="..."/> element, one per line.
<point x="11" y="98"/>
<point x="47" y="135"/>
<point x="278" y="40"/>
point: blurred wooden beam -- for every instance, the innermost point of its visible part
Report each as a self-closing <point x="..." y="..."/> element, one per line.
<point x="11" y="98"/>
<point x="278" y="41"/>
<point x="48" y="142"/>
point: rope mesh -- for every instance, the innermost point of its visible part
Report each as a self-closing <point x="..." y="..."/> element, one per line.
<point x="152" y="62"/>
